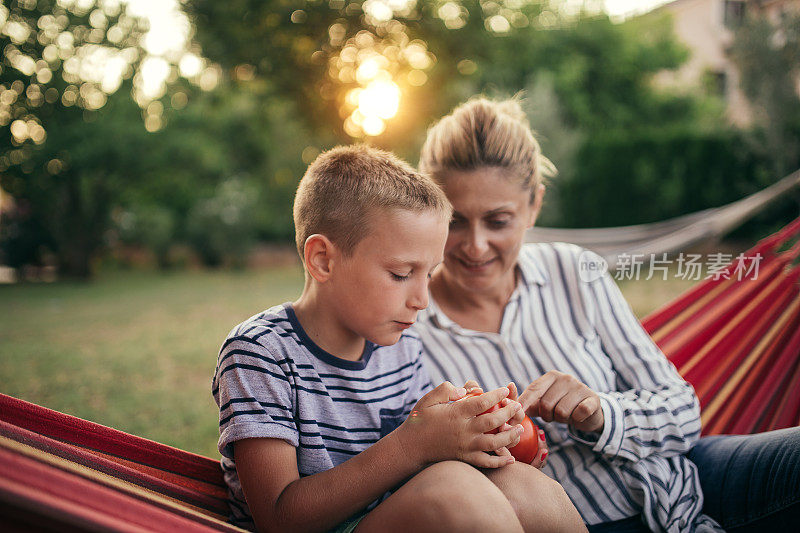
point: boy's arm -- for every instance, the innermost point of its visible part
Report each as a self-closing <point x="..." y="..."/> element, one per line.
<point x="280" y="500"/>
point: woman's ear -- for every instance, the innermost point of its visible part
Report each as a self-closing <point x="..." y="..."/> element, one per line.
<point x="318" y="255"/>
<point x="536" y="206"/>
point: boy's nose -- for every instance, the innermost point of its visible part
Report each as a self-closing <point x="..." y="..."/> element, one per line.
<point x="419" y="297"/>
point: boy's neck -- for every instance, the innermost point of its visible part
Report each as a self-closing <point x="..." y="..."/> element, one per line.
<point x="324" y="328"/>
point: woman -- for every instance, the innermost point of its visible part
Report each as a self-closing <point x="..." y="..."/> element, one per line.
<point x="619" y="418"/>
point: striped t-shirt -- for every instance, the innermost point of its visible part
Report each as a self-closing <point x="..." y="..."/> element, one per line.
<point x="273" y="381"/>
<point x="555" y="320"/>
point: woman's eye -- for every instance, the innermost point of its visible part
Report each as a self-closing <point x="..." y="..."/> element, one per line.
<point x="455" y="222"/>
<point x="498" y="222"/>
<point x="400" y="277"/>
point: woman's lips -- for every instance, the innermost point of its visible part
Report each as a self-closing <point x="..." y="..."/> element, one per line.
<point x="475" y="266"/>
<point x="404" y="325"/>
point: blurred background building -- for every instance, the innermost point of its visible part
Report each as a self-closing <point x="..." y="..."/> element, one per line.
<point x="707" y="28"/>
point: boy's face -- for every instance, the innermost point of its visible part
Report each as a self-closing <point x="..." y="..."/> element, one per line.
<point x="378" y="290"/>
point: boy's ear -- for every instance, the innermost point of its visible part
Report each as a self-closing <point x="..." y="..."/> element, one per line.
<point x="318" y="254"/>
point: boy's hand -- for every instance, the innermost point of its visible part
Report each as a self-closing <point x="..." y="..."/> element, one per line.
<point x="439" y="428"/>
<point x="541" y="455"/>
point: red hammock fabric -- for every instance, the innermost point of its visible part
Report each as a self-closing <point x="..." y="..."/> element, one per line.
<point x="63" y="473"/>
<point x="736" y="341"/>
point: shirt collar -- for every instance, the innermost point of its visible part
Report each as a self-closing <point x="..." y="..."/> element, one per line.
<point x="530" y="271"/>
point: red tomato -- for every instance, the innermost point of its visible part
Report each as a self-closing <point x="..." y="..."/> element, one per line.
<point x="527" y="448"/>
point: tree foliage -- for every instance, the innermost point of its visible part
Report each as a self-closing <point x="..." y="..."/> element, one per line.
<point x="65" y="155"/>
<point x="59" y="54"/>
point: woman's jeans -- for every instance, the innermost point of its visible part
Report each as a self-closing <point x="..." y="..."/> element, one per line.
<point x="751" y="483"/>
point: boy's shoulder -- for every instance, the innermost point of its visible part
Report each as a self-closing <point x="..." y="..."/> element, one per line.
<point x="270" y="324"/>
<point x="275" y="318"/>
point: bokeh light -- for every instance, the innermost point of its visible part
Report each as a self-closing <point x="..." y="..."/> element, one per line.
<point x="379" y="99"/>
<point x="372" y="70"/>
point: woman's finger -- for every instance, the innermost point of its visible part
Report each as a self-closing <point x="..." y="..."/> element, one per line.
<point x="533" y="393"/>
<point x="541" y="455"/>
<point x="565" y="410"/>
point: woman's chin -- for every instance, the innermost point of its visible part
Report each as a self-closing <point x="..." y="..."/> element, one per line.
<point x="476" y="282"/>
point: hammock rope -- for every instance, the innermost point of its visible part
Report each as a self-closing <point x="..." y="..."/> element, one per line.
<point x="737" y="341"/>
<point x="672" y="235"/>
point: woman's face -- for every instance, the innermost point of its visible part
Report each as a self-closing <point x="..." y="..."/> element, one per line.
<point x="491" y="212"/>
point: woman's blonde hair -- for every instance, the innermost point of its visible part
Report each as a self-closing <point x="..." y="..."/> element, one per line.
<point x="486" y="133"/>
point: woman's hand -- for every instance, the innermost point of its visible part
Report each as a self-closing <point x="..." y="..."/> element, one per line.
<point x="559" y="397"/>
<point x="439" y="428"/>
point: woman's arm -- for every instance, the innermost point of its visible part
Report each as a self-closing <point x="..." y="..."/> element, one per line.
<point x="653" y="409"/>
<point x="648" y="408"/>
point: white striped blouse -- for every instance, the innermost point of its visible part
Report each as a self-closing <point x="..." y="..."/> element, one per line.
<point x="557" y="321"/>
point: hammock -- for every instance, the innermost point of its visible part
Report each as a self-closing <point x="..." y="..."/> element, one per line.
<point x="737" y="342"/>
<point x="675" y="234"/>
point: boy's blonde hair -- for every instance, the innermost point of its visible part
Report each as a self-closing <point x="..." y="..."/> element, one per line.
<point x="485" y="133"/>
<point x="346" y="184"/>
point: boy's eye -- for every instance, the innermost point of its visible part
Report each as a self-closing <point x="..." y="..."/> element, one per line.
<point x="400" y="277"/>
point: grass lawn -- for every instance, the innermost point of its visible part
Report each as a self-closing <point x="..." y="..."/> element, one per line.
<point x="136" y="350"/>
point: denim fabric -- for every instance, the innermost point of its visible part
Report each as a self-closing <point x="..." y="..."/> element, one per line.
<point x="751" y="482"/>
<point x="633" y="524"/>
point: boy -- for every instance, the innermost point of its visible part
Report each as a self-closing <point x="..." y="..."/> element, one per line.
<point x="324" y="404"/>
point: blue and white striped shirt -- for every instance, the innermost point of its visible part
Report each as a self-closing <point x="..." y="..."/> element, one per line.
<point x="556" y="321"/>
<point x="273" y="381"/>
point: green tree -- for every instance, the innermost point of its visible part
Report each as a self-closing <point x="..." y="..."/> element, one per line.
<point x="68" y="184"/>
<point x="65" y="155"/>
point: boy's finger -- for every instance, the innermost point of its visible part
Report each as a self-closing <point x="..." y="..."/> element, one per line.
<point x="487" y="460"/>
<point x="513" y="388"/>
<point x="517" y="418"/>
<point x="476" y="405"/>
<point x="493" y="397"/>
<point x="504" y="439"/>
<point x="503" y="452"/>
<point x="445" y="392"/>
<point x="491" y="421"/>
<point x="472" y="384"/>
